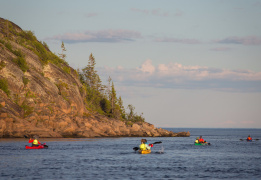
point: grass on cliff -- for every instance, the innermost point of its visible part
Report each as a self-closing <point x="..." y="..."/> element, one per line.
<point x="4" y="86"/>
<point x="28" y="40"/>
<point x="19" y="60"/>
<point x="27" y="109"/>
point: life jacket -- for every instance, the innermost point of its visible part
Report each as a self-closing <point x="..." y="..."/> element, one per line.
<point x="249" y="139"/>
<point x="143" y="147"/>
<point x="35" y="142"/>
<point x="196" y="141"/>
<point x="201" y="140"/>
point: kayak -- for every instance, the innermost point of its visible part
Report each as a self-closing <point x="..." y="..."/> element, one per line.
<point x="36" y="147"/>
<point x="145" y="151"/>
<point x="202" y="144"/>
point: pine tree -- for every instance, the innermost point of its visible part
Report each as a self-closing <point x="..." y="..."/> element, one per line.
<point x="122" y="110"/>
<point x="91" y="77"/>
<point x="113" y="99"/>
<point x="108" y="89"/>
<point x="63" y="55"/>
<point x="131" y="113"/>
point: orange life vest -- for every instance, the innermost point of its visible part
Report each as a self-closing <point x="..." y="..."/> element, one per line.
<point x="201" y="140"/>
<point x="249" y="139"/>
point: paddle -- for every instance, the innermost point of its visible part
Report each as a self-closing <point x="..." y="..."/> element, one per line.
<point x="137" y="148"/>
<point x="44" y="144"/>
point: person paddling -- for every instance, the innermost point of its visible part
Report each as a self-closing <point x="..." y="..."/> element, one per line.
<point x="144" y="145"/>
<point x="197" y="140"/>
<point x="249" y="138"/>
<point x="34" y="141"/>
<point x="201" y="140"/>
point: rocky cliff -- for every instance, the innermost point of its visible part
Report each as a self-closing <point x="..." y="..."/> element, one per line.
<point x="41" y="95"/>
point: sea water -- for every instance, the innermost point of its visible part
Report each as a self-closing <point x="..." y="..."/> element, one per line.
<point x="114" y="158"/>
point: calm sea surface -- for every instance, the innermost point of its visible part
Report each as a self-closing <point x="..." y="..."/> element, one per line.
<point x="113" y="158"/>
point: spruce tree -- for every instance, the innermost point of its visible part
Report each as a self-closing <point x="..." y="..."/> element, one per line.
<point x="113" y="99"/>
<point x="63" y="55"/>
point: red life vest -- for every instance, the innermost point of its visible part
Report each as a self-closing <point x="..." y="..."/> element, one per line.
<point x="201" y="140"/>
<point x="249" y="139"/>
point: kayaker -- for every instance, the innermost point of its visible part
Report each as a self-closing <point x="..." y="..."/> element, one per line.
<point x="144" y="145"/>
<point x="249" y="138"/>
<point x="201" y="140"/>
<point x="34" y="141"/>
<point x="197" y="140"/>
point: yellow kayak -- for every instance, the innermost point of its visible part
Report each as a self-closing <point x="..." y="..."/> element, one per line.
<point x="145" y="151"/>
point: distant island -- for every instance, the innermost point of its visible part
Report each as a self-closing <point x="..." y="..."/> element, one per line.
<point x="40" y="94"/>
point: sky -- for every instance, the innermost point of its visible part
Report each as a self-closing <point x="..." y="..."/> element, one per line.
<point x="182" y="63"/>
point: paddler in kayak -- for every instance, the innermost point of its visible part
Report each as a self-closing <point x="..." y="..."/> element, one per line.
<point x="34" y="141"/>
<point x="249" y="138"/>
<point x="144" y="145"/>
<point x="201" y="140"/>
<point x="197" y="140"/>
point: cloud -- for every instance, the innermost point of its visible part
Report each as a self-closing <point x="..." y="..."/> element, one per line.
<point x="154" y="12"/>
<point x="147" y="67"/>
<point x="178" y="76"/>
<point x="177" y="40"/>
<point x="249" y="40"/>
<point x="98" y="36"/>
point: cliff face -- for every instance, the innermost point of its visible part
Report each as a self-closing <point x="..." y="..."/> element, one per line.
<point x="39" y="97"/>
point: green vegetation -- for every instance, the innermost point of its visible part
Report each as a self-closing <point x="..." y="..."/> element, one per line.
<point x="29" y="94"/>
<point x="27" y="109"/>
<point x="28" y="40"/>
<point x="66" y="69"/>
<point x="2" y="65"/>
<point x="103" y="99"/>
<point x="4" y="86"/>
<point x="25" y="81"/>
<point x="21" y="62"/>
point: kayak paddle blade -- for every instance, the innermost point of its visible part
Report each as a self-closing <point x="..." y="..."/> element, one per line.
<point x="157" y="142"/>
<point x="135" y="148"/>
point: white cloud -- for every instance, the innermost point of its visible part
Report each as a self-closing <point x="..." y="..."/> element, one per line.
<point x="147" y="67"/>
<point x="175" y="75"/>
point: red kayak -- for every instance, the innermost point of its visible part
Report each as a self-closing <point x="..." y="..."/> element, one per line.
<point x="36" y="147"/>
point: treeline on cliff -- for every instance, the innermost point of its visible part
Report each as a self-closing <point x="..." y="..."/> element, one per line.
<point x="99" y="97"/>
<point x="103" y="98"/>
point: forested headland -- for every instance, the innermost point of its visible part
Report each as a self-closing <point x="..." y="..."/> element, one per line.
<point x="40" y="94"/>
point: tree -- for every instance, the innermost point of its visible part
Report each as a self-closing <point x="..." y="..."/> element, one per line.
<point x="122" y="110"/>
<point x="105" y="106"/>
<point x="108" y="89"/>
<point x="91" y="77"/>
<point x="113" y="98"/>
<point x="62" y="55"/>
<point x="131" y="113"/>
